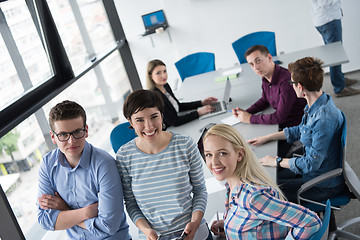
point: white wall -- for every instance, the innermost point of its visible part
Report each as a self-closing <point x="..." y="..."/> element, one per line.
<point x="212" y="25"/>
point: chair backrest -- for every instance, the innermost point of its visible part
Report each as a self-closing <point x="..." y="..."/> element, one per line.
<point x="195" y="64"/>
<point x="352" y="180"/>
<point x="120" y="135"/>
<point x="343" y="136"/>
<point x="256" y="38"/>
<point x="322" y="233"/>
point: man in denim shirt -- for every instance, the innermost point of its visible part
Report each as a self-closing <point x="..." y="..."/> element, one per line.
<point x="319" y="131"/>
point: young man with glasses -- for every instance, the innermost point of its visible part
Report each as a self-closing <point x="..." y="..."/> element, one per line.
<point x="79" y="185"/>
<point x="276" y="92"/>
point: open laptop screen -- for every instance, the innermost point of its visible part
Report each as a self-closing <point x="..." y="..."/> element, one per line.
<point x="154" y="20"/>
<point x="200" y="141"/>
<point x="9" y="227"/>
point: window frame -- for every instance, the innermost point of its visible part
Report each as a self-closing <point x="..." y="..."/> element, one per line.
<point x="36" y="97"/>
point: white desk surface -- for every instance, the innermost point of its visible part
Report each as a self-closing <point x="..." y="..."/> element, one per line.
<point x="331" y="54"/>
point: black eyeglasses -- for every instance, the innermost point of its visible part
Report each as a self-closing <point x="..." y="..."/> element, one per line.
<point x="65" y="136"/>
<point x="292" y="82"/>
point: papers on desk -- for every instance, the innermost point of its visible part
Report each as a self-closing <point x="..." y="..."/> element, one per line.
<point x="229" y="74"/>
<point x="232" y="71"/>
<point x="232" y="120"/>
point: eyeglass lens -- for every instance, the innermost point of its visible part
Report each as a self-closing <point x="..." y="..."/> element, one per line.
<point x="77" y="134"/>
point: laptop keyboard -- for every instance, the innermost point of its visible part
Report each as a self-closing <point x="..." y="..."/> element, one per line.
<point x="217" y="106"/>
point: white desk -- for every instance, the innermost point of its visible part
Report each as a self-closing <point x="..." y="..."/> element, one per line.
<point x="331" y="54"/>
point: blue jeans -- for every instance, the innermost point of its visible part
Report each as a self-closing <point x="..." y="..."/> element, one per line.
<point x="332" y="32"/>
<point x="290" y="183"/>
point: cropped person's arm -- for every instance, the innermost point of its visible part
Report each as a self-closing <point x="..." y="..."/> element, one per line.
<point x="267" y="138"/>
<point x="175" y="119"/>
<point x="286" y="101"/>
<point x="69" y="218"/>
<point x="302" y="221"/>
<point x="144" y="226"/>
<point x="46" y="217"/>
<point x="199" y="189"/>
<point x="325" y="3"/>
<point x="261" y="104"/>
<point x="320" y="135"/>
<point x="197" y="178"/>
<point x="110" y="199"/>
<point x="132" y="207"/>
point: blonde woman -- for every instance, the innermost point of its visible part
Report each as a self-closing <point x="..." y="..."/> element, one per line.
<point x="255" y="206"/>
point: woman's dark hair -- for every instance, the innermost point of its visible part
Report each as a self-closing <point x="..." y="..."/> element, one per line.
<point x="141" y="99"/>
<point x="308" y="72"/>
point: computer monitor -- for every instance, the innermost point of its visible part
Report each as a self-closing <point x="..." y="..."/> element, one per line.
<point x="9" y="227"/>
<point x="154" y="20"/>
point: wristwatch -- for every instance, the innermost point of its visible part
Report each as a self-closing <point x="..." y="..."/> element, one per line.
<point x="278" y="161"/>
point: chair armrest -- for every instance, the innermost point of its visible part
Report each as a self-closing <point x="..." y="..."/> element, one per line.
<point x="315" y="181"/>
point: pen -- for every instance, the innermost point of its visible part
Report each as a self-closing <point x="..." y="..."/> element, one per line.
<point x="217" y="218"/>
<point x="232" y="111"/>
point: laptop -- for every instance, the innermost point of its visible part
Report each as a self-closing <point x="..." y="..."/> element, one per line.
<point x="220" y="107"/>
<point x="9" y="227"/>
<point x="153" y="21"/>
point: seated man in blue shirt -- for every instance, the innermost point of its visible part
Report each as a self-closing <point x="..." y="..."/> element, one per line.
<point x="79" y="185"/>
<point x="319" y="131"/>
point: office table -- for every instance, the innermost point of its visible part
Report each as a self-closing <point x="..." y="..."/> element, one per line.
<point x="331" y="54"/>
<point x="246" y="89"/>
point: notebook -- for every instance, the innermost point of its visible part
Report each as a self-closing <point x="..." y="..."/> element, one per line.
<point x="220" y="107"/>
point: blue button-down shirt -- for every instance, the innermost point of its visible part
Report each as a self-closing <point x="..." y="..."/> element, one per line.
<point x="94" y="179"/>
<point x="320" y="132"/>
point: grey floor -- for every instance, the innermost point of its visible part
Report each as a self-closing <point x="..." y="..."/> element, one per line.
<point x="351" y="107"/>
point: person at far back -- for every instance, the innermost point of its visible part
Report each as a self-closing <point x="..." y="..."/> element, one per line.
<point x="156" y="78"/>
<point x="326" y="15"/>
<point x="276" y="92"/>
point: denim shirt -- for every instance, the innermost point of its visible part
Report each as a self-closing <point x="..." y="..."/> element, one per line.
<point x="320" y="133"/>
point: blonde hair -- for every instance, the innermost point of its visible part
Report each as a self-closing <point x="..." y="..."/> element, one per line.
<point x="249" y="170"/>
<point x="150" y="84"/>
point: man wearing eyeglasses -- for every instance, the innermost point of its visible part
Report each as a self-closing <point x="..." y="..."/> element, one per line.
<point x="79" y="186"/>
<point x="276" y="92"/>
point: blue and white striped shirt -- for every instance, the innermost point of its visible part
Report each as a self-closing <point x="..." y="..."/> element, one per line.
<point x="158" y="187"/>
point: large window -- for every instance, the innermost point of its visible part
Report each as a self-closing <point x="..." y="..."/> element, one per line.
<point x="23" y="62"/>
<point x="51" y="51"/>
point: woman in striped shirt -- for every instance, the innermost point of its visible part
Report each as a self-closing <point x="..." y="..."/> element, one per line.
<point x="255" y="206"/>
<point x="161" y="172"/>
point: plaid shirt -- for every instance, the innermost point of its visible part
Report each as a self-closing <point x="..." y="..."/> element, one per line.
<point x="256" y="212"/>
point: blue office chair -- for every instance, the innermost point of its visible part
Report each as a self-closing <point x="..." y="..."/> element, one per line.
<point x="352" y="191"/>
<point x="195" y="64"/>
<point x="120" y="135"/>
<point x="244" y="43"/>
<point x="322" y="233"/>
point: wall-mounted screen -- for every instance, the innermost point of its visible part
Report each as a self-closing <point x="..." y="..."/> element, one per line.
<point x="154" y="20"/>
